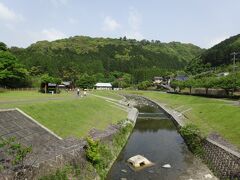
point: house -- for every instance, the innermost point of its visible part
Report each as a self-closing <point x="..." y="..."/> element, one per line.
<point x="66" y="84"/>
<point x="157" y="80"/>
<point x="222" y="74"/>
<point x="181" y="78"/>
<point x="103" y="86"/>
<point x="49" y="88"/>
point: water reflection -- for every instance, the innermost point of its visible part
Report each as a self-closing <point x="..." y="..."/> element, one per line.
<point x="158" y="141"/>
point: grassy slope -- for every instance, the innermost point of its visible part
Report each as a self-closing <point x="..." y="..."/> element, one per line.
<point x="210" y="115"/>
<point x="68" y="116"/>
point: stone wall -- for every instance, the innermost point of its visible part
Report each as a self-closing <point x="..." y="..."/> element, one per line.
<point x="213" y="92"/>
<point x="223" y="161"/>
<point x="73" y="153"/>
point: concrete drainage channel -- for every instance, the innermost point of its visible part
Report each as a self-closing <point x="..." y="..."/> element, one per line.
<point x="156" y="139"/>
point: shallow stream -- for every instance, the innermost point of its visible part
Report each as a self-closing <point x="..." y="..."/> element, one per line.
<point x="156" y="138"/>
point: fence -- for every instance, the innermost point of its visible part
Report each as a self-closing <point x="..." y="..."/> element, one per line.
<point x="19" y="89"/>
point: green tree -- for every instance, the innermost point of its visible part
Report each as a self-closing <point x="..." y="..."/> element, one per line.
<point x="208" y="82"/>
<point x="3" y="47"/>
<point x="144" y="85"/>
<point x="228" y="83"/>
<point x="196" y="66"/>
<point x="86" y="81"/>
<point x="12" y="73"/>
<point x="190" y="83"/>
<point x="45" y="79"/>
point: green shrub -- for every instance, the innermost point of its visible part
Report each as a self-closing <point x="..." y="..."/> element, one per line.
<point x="59" y="175"/>
<point x="192" y="137"/>
<point x="119" y="139"/>
<point x="62" y="174"/>
<point x="102" y="154"/>
<point x="92" y="151"/>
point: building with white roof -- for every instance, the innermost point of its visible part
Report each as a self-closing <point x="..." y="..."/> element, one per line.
<point x="103" y="86"/>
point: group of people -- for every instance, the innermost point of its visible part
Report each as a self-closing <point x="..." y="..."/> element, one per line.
<point x="84" y="92"/>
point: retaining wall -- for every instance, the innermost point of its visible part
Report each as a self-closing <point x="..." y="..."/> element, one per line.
<point x="74" y="153"/>
<point x="223" y="161"/>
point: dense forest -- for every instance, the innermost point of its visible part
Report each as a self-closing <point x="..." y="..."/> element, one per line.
<point x="67" y="58"/>
<point x="123" y="62"/>
<point x="220" y="54"/>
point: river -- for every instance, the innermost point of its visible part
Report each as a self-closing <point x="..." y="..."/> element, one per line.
<point x="156" y="138"/>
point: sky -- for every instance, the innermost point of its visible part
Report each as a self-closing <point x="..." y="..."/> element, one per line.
<point x="200" y="22"/>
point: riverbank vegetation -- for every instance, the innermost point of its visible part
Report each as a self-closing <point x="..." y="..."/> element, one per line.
<point x="192" y="136"/>
<point x="100" y="156"/>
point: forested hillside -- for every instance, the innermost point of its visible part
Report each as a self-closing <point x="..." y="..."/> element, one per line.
<point x="81" y="54"/>
<point x="220" y="54"/>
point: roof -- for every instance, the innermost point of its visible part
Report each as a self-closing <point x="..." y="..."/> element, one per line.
<point x="66" y="83"/>
<point x="52" y="84"/>
<point x="103" y="85"/>
<point x="158" y="78"/>
<point x="181" y="78"/>
<point x="223" y="74"/>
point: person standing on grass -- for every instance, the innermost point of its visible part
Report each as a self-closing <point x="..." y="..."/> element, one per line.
<point x="78" y="91"/>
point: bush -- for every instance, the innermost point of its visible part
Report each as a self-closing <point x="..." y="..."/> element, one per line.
<point x="101" y="155"/>
<point x="144" y="85"/>
<point x="191" y="134"/>
<point x="92" y="151"/>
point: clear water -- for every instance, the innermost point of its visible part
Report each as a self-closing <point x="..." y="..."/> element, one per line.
<point x="158" y="140"/>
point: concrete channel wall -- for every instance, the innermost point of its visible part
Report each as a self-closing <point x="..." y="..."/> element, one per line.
<point x="74" y="149"/>
<point x="224" y="161"/>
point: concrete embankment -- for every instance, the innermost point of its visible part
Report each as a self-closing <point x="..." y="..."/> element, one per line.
<point x="222" y="160"/>
<point x="63" y="151"/>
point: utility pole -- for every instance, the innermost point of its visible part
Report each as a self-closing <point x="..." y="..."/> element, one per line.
<point x="234" y="60"/>
<point x="234" y="54"/>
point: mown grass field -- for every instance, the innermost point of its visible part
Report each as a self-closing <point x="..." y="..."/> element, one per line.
<point x="109" y="94"/>
<point x="65" y="113"/>
<point x="209" y="114"/>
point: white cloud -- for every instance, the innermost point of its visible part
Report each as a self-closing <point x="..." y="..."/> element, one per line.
<point x="110" y="24"/>
<point x="216" y="40"/>
<point x="134" y="19"/>
<point x="134" y="22"/>
<point x="52" y="34"/>
<point x="9" y="15"/>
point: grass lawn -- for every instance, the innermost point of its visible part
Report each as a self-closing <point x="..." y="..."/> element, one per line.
<point x="109" y="94"/>
<point x="27" y="95"/>
<point x="66" y="115"/>
<point x="210" y="115"/>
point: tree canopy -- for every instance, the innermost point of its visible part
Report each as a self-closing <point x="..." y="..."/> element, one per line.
<point x="72" y="57"/>
<point x="12" y="73"/>
<point x="220" y="54"/>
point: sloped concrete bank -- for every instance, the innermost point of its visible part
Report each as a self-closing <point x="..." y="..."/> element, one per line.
<point x="222" y="160"/>
<point x="73" y="154"/>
